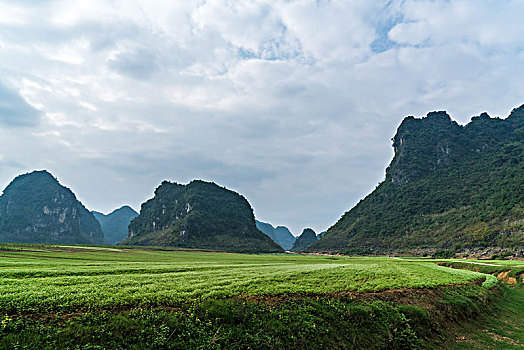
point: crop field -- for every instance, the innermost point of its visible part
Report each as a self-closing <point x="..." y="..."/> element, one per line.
<point x="44" y="279"/>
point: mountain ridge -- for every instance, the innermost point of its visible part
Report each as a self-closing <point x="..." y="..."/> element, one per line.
<point x="115" y="224"/>
<point x="306" y="238"/>
<point x="280" y="234"/>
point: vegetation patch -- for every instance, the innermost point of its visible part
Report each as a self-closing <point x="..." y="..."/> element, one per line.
<point x="501" y="328"/>
<point x="374" y="321"/>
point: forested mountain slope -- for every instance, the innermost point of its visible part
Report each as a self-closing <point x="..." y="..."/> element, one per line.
<point x="306" y="238"/>
<point x="448" y="186"/>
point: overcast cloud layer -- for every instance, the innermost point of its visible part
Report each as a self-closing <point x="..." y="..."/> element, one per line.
<point x="291" y="103"/>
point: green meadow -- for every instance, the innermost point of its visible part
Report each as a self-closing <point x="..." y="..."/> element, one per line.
<point x="65" y="278"/>
<point x="97" y="297"/>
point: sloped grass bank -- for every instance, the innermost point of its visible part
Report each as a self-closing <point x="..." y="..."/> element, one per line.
<point x="502" y="328"/>
<point x="502" y="325"/>
<point x="397" y="319"/>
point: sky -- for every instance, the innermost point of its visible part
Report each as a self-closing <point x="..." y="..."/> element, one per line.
<point x="293" y="104"/>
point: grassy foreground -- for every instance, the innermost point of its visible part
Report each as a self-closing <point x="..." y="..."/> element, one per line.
<point x="122" y="298"/>
<point x="67" y="279"/>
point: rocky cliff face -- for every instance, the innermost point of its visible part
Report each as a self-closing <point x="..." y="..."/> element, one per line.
<point x="115" y="225"/>
<point x="427" y="144"/>
<point x="448" y="186"/>
<point x="306" y="238"/>
<point x="199" y="215"/>
<point x="423" y="145"/>
<point x="35" y="208"/>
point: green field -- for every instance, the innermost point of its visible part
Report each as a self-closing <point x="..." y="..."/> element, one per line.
<point x="96" y="297"/>
<point x="68" y="279"/>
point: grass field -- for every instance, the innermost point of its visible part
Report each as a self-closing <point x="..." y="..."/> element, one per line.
<point x="40" y="279"/>
<point x="96" y="297"/>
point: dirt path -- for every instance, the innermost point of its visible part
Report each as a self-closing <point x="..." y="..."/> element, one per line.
<point x="478" y="263"/>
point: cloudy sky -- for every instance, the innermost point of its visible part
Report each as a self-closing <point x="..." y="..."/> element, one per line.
<point x="291" y="103"/>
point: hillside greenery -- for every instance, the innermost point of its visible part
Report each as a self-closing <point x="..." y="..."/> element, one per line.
<point x="448" y="186"/>
<point x="199" y="215"/>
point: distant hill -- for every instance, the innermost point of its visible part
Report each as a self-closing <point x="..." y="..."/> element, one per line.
<point x="200" y="215"/>
<point x="281" y="234"/>
<point x="35" y="208"/>
<point x="306" y="238"/>
<point x="448" y="187"/>
<point x="284" y="236"/>
<point x="115" y="224"/>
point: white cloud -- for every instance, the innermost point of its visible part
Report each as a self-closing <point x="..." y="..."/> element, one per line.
<point x="11" y="14"/>
<point x="490" y="24"/>
<point x="15" y="111"/>
<point x="331" y="30"/>
<point x="258" y="19"/>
